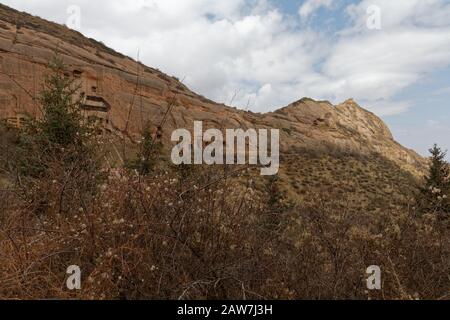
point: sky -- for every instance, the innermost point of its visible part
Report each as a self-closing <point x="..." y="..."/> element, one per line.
<point x="392" y="57"/>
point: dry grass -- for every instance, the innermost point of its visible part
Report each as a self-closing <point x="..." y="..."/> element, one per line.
<point x="369" y="182"/>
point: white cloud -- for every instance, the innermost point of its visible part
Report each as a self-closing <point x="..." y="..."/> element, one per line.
<point x="429" y="13"/>
<point x="387" y="108"/>
<point x="433" y="123"/>
<point x="251" y="48"/>
<point x="309" y="6"/>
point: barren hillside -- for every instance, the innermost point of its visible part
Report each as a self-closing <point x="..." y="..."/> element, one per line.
<point x="137" y="94"/>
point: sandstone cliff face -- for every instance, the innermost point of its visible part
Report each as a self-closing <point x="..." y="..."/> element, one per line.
<point x="136" y="94"/>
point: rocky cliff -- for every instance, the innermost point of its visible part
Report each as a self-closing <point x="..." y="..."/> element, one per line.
<point x="126" y="95"/>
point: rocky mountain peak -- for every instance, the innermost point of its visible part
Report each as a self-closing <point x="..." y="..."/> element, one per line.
<point x="354" y="116"/>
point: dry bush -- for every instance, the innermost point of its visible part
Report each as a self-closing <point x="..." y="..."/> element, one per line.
<point x="335" y="245"/>
<point x="167" y="236"/>
<point x="135" y="238"/>
<point x="201" y="233"/>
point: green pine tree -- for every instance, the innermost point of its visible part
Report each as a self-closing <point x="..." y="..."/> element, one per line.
<point x="62" y="122"/>
<point x="147" y="156"/>
<point x="60" y="133"/>
<point x="436" y="190"/>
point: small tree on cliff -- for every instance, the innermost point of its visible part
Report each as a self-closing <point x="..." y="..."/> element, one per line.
<point x="59" y="152"/>
<point x="62" y="122"/>
<point x="436" y="190"/>
<point x="60" y="134"/>
<point x="147" y="157"/>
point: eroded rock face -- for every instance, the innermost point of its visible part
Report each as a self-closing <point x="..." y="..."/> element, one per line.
<point x="137" y="94"/>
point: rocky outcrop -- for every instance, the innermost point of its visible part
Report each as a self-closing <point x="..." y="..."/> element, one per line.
<point x="136" y="95"/>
